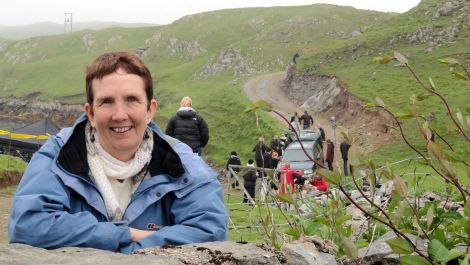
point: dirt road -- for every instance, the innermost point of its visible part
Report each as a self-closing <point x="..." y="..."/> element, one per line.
<point x="268" y="87"/>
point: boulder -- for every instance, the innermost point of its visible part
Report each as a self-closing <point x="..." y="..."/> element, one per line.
<point x="380" y="253"/>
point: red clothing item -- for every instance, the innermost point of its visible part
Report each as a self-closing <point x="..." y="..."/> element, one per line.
<point x="287" y="179"/>
<point x="320" y="184"/>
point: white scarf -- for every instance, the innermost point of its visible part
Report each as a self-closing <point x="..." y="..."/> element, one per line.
<point x="104" y="166"/>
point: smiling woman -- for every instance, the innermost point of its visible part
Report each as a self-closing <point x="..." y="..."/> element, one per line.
<point x="114" y="178"/>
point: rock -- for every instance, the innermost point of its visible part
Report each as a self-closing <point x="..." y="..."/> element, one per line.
<point x="355" y="212"/>
<point x="356" y="33"/>
<point x="228" y="59"/>
<point x="217" y="253"/>
<point x="448" y="8"/>
<point x="19" y="254"/>
<point x="88" y="41"/>
<point x="355" y="195"/>
<point x="32" y="110"/>
<point x="385" y="189"/>
<point x="304" y="251"/>
<point x="432" y="196"/>
<point x="380" y="253"/>
<point x="193" y="254"/>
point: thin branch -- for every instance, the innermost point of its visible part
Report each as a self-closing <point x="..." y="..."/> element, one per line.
<point x="454" y="182"/>
<point x="395" y="230"/>
<point x="443" y="100"/>
<point x="370" y="201"/>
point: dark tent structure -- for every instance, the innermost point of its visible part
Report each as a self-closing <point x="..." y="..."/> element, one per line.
<point x="26" y="140"/>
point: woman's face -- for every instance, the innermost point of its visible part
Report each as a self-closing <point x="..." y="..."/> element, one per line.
<point x="120" y="113"/>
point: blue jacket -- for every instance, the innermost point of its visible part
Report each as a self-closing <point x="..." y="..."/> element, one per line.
<point x="57" y="203"/>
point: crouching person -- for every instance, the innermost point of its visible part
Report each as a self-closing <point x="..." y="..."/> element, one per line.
<point x="114" y="181"/>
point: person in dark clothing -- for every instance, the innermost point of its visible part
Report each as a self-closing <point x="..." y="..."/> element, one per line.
<point x="249" y="181"/>
<point x="294" y="58"/>
<point x="274" y="158"/>
<point x="267" y="159"/>
<point x="276" y="144"/>
<point x="260" y="149"/>
<point x="344" y="148"/>
<point x="330" y="153"/>
<point x="306" y="120"/>
<point x="189" y="127"/>
<point x="234" y="160"/>
<point x="322" y="133"/>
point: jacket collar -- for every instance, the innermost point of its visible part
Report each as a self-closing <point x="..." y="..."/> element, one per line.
<point x="73" y="156"/>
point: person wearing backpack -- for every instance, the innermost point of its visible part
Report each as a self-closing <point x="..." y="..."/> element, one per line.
<point x="189" y="127"/>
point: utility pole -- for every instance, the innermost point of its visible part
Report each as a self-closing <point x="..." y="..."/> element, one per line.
<point x="67" y="23"/>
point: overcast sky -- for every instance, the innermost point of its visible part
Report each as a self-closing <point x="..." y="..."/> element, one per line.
<point x="23" y="12"/>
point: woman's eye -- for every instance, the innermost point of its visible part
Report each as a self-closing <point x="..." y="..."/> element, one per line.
<point x="132" y="99"/>
<point x="106" y="101"/>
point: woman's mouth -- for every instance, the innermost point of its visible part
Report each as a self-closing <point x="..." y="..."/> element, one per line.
<point x="121" y="129"/>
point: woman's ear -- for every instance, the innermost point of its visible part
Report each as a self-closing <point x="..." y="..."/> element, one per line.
<point x="151" y="110"/>
<point x="89" y="112"/>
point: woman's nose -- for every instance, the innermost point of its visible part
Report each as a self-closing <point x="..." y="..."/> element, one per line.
<point x="120" y="113"/>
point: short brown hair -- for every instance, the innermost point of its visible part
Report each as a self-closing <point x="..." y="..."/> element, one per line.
<point x="109" y="63"/>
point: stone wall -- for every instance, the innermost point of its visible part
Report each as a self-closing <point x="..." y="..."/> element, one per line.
<point x="301" y="252"/>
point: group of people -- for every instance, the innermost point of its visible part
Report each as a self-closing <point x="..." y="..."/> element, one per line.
<point x="307" y="121"/>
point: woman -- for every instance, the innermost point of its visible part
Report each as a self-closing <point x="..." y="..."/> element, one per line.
<point x="114" y="181"/>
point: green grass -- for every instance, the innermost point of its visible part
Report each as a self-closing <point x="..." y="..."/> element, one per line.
<point x="247" y="219"/>
<point x="11" y="163"/>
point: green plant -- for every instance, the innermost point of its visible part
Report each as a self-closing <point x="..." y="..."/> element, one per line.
<point x="442" y="227"/>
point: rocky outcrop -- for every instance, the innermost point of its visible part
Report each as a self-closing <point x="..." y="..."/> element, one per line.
<point x="184" y="49"/>
<point x="31" y="110"/>
<point x="450" y="7"/>
<point x="227" y="253"/>
<point x="228" y="60"/>
<point x="88" y="42"/>
<point x="431" y="36"/>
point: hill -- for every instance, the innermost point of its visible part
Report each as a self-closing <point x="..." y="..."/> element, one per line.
<point x="207" y="56"/>
<point x="50" y="28"/>
<point x="432" y="30"/>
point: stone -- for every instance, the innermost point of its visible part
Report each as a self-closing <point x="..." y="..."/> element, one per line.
<point x="380" y="253"/>
<point x="355" y="212"/>
<point x="226" y="252"/>
<point x="192" y="254"/>
<point x="19" y="254"/>
<point x="305" y="252"/>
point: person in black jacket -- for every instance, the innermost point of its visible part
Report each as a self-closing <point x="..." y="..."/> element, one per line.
<point x="306" y="120"/>
<point x="234" y="160"/>
<point x="249" y="181"/>
<point x="189" y="127"/>
<point x="344" y="148"/>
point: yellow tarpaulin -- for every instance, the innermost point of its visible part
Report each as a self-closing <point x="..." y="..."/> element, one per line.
<point x="25" y="136"/>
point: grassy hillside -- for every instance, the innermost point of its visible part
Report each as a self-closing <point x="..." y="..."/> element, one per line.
<point x="423" y="37"/>
<point x="207" y="56"/>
